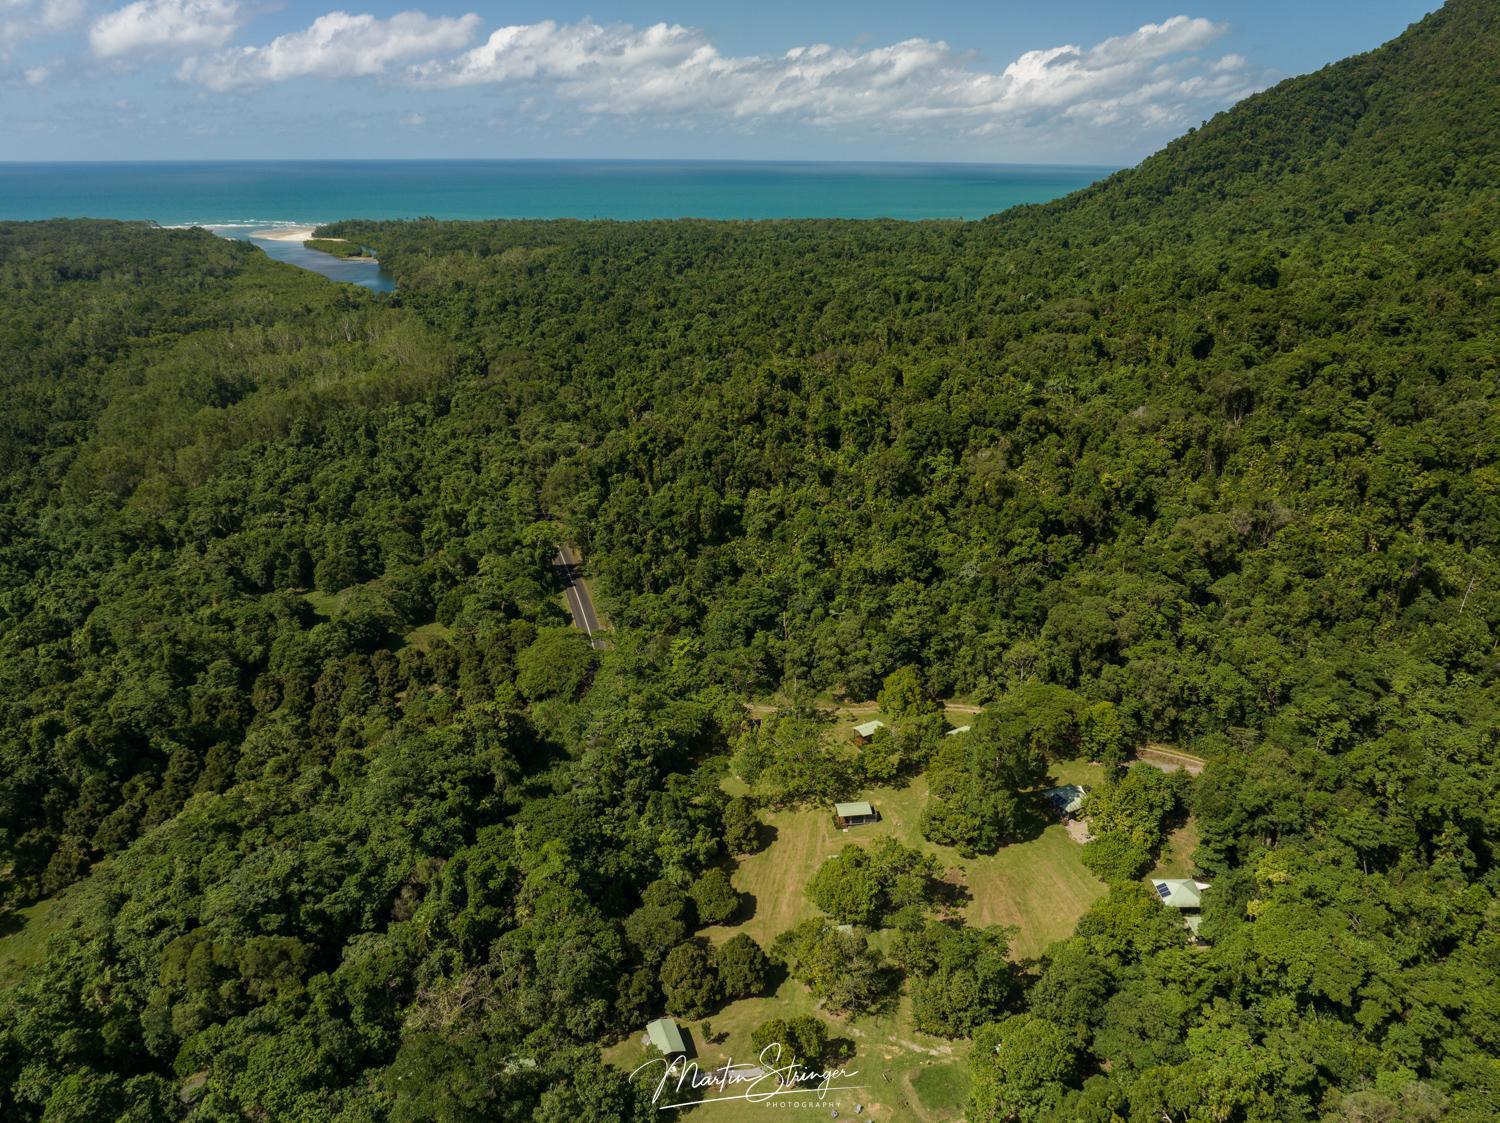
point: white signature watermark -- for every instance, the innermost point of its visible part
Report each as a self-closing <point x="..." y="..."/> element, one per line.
<point x="757" y="1083"/>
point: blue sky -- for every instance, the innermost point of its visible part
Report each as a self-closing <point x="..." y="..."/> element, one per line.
<point x="1011" y="82"/>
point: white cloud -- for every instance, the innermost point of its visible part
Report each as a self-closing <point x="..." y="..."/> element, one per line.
<point x="1153" y="77"/>
<point x="36" y="75"/>
<point x="335" y="46"/>
<point x="35" y="19"/>
<point x="151" y="27"/>
<point x="1150" y="75"/>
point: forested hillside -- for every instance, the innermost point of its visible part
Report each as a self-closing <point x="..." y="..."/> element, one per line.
<point x="350" y="825"/>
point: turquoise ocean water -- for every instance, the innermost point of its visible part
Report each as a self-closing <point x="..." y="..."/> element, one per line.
<point x="238" y="198"/>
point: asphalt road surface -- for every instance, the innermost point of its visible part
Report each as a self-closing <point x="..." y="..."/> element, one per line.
<point x="580" y="604"/>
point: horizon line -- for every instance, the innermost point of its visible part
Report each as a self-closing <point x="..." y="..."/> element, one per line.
<point x="557" y="160"/>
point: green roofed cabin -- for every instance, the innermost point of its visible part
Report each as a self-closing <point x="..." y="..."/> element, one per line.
<point x="1184" y="895"/>
<point x="854" y="814"/>
<point x="867" y="730"/>
<point x="664" y="1034"/>
<point x="1179" y="892"/>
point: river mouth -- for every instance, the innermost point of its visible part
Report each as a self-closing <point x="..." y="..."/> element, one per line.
<point x="284" y="243"/>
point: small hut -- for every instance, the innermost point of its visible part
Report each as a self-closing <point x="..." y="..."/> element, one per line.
<point x="1067" y="800"/>
<point x="667" y="1037"/>
<point x="864" y="732"/>
<point x="854" y="814"/>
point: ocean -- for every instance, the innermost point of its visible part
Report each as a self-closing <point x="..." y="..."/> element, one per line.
<point x="241" y="199"/>
<point x="251" y="194"/>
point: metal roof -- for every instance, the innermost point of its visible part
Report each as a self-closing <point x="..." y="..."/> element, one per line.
<point x="1067" y="798"/>
<point x="859" y="810"/>
<point x="868" y="728"/>
<point x="1178" y="893"/>
<point x="665" y="1035"/>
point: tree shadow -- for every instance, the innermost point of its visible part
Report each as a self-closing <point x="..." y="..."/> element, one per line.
<point x="838" y="1051"/>
<point x="951" y="892"/>
<point x="11" y="922"/>
<point x="889" y="996"/>
<point x="776" y="975"/>
<point x="1036" y="815"/>
<point x="765" y="835"/>
<point x="745" y="911"/>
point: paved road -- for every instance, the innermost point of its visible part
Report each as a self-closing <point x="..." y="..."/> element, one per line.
<point x="580" y="604"/>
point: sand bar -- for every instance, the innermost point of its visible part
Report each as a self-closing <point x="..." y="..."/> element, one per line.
<point x="284" y="234"/>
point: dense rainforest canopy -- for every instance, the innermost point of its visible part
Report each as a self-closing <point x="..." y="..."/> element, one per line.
<point x="351" y="826"/>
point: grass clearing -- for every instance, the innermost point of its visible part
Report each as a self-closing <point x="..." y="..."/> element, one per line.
<point x="902" y="1074"/>
<point x="24" y="934"/>
<point x="1176" y="858"/>
<point x="327" y="605"/>
<point x="424" y="636"/>
<point x="1039" y="886"/>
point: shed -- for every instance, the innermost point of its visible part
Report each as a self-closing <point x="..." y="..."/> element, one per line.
<point x="854" y="814"/>
<point x="1067" y="800"/>
<point x="1179" y="892"/>
<point x="664" y="1034"/>
<point x="956" y="732"/>
<point x="868" y="729"/>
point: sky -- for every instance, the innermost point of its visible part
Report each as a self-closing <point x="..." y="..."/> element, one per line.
<point x="1099" y="82"/>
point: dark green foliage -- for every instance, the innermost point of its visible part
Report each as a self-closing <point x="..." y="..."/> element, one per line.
<point x="976" y="779"/>
<point x="1206" y="453"/>
<point x="336" y="246"/>
<point x="664" y="919"/>
<point x="1021" y="1069"/>
<point x="716" y="899"/>
<point x="1116" y="857"/>
<point x="780" y="1041"/>
<point x="742" y="827"/>
<point x="690" y="980"/>
<point x="838" y="966"/>
<point x="902" y="748"/>
<point x="786" y="759"/>
<point x="904" y="696"/>
<point x="1129" y="818"/>
<point x="556" y="665"/>
<point x="1072" y="987"/>
<point x="742" y="966"/>
<point x="863" y="885"/>
<point x="1103" y="736"/>
<point x="960" y="977"/>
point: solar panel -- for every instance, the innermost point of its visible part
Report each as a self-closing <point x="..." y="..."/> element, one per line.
<point x="1164" y="891"/>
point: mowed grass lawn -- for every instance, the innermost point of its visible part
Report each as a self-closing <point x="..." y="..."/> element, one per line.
<point x="1040" y="885"/>
<point x="899" y="1074"/>
<point x="1176" y="857"/>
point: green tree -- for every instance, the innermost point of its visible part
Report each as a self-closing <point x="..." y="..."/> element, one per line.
<point x="1021" y="1068"/>
<point x="742" y="828"/>
<point x="742" y="966"/>
<point x="1104" y="737"/>
<point x="690" y="979"/>
<point x="716" y="899"/>
<point x="803" y="1039"/>
<point x="960" y="978"/>
<point x="838" y="967"/>
<point x="556" y="665"/>
<point x="904" y="696"/>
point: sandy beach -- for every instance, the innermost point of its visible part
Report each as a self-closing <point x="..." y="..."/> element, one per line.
<point x="284" y="234"/>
